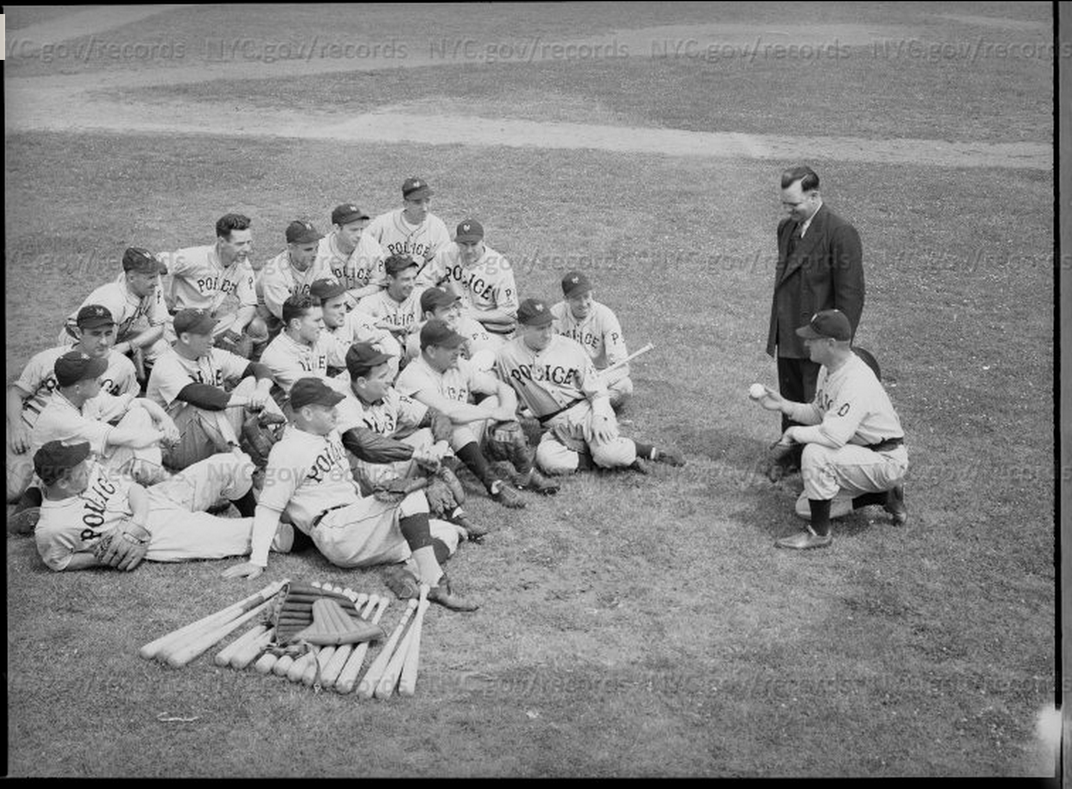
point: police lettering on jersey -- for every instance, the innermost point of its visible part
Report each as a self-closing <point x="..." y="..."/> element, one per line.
<point x="330" y="463"/>
<point x="416" y="250"/>
<point x="94" y="504"/>
<point x="585" y="338"/>
<point x="561" y="376"/>
<point x="216" y="283"/>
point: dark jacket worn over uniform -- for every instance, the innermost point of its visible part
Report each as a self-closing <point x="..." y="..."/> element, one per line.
<point x="822" y="271"/>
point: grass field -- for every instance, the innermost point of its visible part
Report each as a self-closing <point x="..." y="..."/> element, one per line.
<point x="632" y="626"/>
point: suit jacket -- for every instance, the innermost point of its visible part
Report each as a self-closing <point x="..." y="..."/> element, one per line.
<point x="824" y="271"/>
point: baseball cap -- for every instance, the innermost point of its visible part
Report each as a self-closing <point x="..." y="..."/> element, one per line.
<point x="416" y="189"/>
<point x="325" y="289"/>
<point x="469" y="230"/>
<point x="347" y="212"/>
<point x="54" y="459"/>
<point x="438" y="333"/>
<point x="75" y="366"/>
<point x="194" y="321"/>
<point x="93" y="315"/>
<point x="301" y="232"/>
<point x="534" y="312"/>
<point x="362" y="357"/>
<point x="396" y="264"/>
<point x="313" y="391"/>
<point x="828" y="323"/>
<point x="143" y="261"/>
<point x="575" y="283"/>
<point x="434" y="298"/>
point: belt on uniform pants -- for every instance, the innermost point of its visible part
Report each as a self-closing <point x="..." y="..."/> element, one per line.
<point x="320" y="517"/>
<point x="543" y="420"/>
<point x="886" y="445"/>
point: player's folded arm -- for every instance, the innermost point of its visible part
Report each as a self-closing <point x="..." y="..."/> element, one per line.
<point x="258" y="370"/>
<point x="206" y="396"/>
<point x="371" y="447"/>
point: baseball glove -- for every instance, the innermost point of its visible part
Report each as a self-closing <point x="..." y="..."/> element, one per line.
<point x="397" y="489"/>
<point x="123" y="549"/>
<point x="306" y="614"/>
<point x="259" y="434"/>
<point x="507" y="441"/>
<point x="444" y="493"/>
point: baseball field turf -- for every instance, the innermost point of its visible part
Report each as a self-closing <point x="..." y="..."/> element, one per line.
<point x="632" y="625"/>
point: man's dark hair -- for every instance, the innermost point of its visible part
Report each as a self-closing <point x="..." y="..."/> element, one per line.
<point x="807" y="177"/>
<point x="228" y="222"/>
<point x="296" y="306"/>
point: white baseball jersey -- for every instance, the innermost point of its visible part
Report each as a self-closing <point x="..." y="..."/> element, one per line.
<point x="38" y="380"/>
<point x="362" y="267"/>
<point x="290" y="360"/>
<point x="395" y="413"/>
<point x="359" y="326"/>
<point x="61" y="420"/>
<point x="174" y="372"/>
<point x="199" y="280"/>
<point x="421" y="242"/>
<point x="599" y="333"/>
<point x="850" y="407"/>
<point x="279" y="280"/>
<point x="477" y="339"/>
<point x="549" y="380"/>
<point x="132" y="314"/>
<point x="457" y="383"/>
<point x="401" y="314"/>
<point x="486" y="285"/>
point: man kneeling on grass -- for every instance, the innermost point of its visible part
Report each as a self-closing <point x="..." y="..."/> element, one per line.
<point x="91" y="517"/>
<point x="308" y="477"/>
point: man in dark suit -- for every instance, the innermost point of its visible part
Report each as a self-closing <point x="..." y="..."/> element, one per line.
<point x="820" y="267"/>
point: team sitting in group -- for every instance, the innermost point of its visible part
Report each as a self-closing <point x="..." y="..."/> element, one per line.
<point x="334" y="390"/>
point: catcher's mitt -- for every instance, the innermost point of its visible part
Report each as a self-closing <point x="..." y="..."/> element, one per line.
<point x="123" y="548"/>
<point x="306" y="614"/>
<point x="507" y="441"/>
<point x="393" y="491"/>
<point x="444" y="492"/>
<point x="259" y="434"/>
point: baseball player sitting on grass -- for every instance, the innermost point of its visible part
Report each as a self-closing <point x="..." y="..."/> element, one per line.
<point x="28" y="396"/>
<point x="208" y="392"/>
<point x="220" y="279"/>
<point x="309" y="478"/>
<point x="136" y="302"/>
<point x="351" y="254"/>
<point x="554" y="377"/>
<point x="303" y="348"/>
<point x="852" y="437"/>
<point x="396" y="308"/>
<point x="596" y="328"/>
<point x="291" y="272"/>
<point x="480" y="345"/>
<point x="481" y="276"/>
<point x="392" y="437"/>
<point x="93" y="518"/>
<point x="413" y="230"/>
<point x="441" y="379"/>
<point x="350" y="326"/>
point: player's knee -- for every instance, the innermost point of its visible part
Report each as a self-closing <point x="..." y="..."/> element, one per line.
<point x="413" y="504"/>
<point x="813" y="456"/>
<point x="553" y="458"/>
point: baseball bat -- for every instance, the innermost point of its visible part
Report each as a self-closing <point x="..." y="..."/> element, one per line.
<point x="137" y="355"/>
<point x="186" y="652"/>
<point x="407" y="682"/>
<point x="386" y="686"/>
<point x="338" y="660"/>
<point x="626" y="360"/>
<point x="316" y="668"/>
<point x="348" y="676"/>
<point x="223" y="657"/>
<point x="379" y="665"/>
<point x="283" y="665"/>
<point x="252" y="651"/>
<point x="153" y="648"/>
<point x="297" y="668"/>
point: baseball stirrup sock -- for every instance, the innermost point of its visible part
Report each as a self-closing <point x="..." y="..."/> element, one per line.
<point x="246" y="505"/>
<point x="645" y="451"/>
<point x="820" y="516"/>
<point x="416" y="530"/>
<point x="474" y="460"/>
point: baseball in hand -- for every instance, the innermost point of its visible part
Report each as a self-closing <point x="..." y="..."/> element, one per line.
<point x="756" y="391"/>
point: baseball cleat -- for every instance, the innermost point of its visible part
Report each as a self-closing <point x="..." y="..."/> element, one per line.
<point x="442" y="594"/>
<point x="473" y="532"/>
<point x="24" y="522"/>
<point x="802" y="541"/>
<point x="538" y="483"/>
<point x="505" y="495"/>
<point x="895" y="505"/>
<point x="671" y="457"/>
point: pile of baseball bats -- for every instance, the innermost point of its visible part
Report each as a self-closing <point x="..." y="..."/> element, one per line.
<point x="329" y="667"/>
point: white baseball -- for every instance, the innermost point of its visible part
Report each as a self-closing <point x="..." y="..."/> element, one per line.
<point x="756" y="391"/>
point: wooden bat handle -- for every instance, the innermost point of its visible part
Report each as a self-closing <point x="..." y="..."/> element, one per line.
<point x="627" y="359"/>
<point x="348" y="676"/>
<point x="223" y="657"/>
<point x="338" y="660"/>
<point x="407" y="681"/>
<point x="379" y="665"/>
<point x="187" y="652"/>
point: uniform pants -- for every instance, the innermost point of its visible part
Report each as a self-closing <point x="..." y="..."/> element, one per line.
<point x="852" y="469"/>
<point x="558" y="450"/>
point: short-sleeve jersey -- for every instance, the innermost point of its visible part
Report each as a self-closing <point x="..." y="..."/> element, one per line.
<point x="599" y="333"/>
<point x="38" y="380"/>
<point x="394" y="414"/>
<point x="421" y="242"/>
<point x="289" y="360"/>
<point x="401" y="314"/>
<point x="174" y="372"/>
<point x="486" y="285"/>
<point x="199" y="280"/>
<point x="132" y="314"/>
<point x="549" y="380"/>
<point x="456" y="383"/>
<point x="279" y="280"/>
<point x="61" y="420"/>
<point x="362" y="267"/>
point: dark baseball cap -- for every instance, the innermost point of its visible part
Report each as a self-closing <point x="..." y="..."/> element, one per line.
<point x="434" y="298"/>
<point x="54" y="459"/>
<point x="416" y="189"/>
<point x="194" y="321"/>
<point x="93" y="315"/>
<point x="325" y="289"/>
<point x="347" y="212"/>
<point x="438" y="333"/>
<point x="313" y="391"/>
<point x="575" y="283"/>
<point x="302" y="232"/>
<point x="534" y="312"/>
<point x="143" y="261"/>
<point x="362" y="357"/>
<point x="75" y="366"/>
<point x="833" y="324"/>
<point x="396" y="264"/>
<point x="468" y="231"/>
